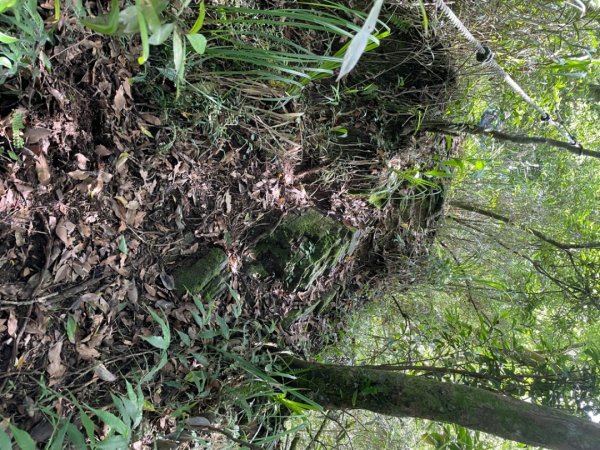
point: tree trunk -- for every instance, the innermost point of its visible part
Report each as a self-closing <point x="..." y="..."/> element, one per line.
<point x="395" y="394"/>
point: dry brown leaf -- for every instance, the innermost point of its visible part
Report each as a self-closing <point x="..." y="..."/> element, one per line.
<point x="101" y="150"/>
<point x="198" y="421"/>
<point x="127" y="87"/>
<point x="55" y="367"/>
<point x="119" y="101"/>
<point x="102" y="178"/>
<point x="150" y="290"/>
<point x="87" y="352"/>
<point x="62" y="232"/>
<point x="167" y="280"/>
<point x="79" y="175"/>
<point x="228" y="201"/>
<point x="81" y="161"/>
<point x="152" y="120"/>
<point x="43" y="170"/>
<point x="132" y="292"/>
<point x="62" y="273"/>
<point x="60" y="98"/>
<point x="104" y="374"/>
<point x="120" y="165"/>
<point x="119" y="210"/>
<point x="12" y="324"/>
<point x="35" y="135"/>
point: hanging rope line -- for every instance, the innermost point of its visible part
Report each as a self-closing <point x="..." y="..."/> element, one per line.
<point x="485" y="56"/>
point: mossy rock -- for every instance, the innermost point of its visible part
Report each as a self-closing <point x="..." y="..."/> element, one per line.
<point x="302" y="248"/>
<point x="207" y="276"/>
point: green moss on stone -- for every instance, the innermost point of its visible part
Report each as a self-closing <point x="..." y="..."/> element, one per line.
<point x="207" y="275"/>
<point x="304" y="247"/>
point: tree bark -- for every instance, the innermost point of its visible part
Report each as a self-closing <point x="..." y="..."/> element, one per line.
<point x="395" y="394"/>
<point x="536" y="233"/>
<point x="458" y="128"/>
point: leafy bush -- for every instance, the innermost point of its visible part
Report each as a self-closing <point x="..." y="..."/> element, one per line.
<point x="22" y="39"/>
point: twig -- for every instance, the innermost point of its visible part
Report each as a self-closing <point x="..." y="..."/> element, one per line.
<point x="230" y="436"/>
<point x="55" y="296"/>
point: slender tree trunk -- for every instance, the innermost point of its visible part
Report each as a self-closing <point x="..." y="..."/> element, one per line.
<point x="536" y="233"/>
<point x="394" y="394"/>
<point x="458" y="128"/>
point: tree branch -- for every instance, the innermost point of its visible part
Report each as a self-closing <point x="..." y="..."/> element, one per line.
<point x="458" y="128"/>
<point x="507" y="220"/>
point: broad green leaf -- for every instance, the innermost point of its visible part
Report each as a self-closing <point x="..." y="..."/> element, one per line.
<point x="198" y="42"/>
<point x="164" y="326"/>
<point x="128" y="20"/>
<point x="71" y="329"/>
<point x="22" y="438"/>
<point x="122" y="245"/>
<point x="209" y="334"/>
<point x="88" y="425"/>
<point x="6" y="39"/>
<point x="235" y="294"/>
<point x="112" y="421"/>
<point x="150" y="375"/>
<point x="156" y="341"/>
<point x="185" y="339"/>
<point x="4" y="439"/>
<point x="161" y="34"/>
<point x="58" y="438"/>
<point x="425" y="20"/>
<point x="437" y="173"/>
<point x="200" y="20"/>
<point x="113" y="443"/>
<point x="150" y="13"/>
<point x="106" y="24"/>
<point x="5" y="62"/>
<point x="5" y="4"/>
<point x="135" y="404"/>
<point x="76" y="437"/>
<point x="297" y="407"/>
<point x="224" y="327"/>
<point x="119" y="403"/>
<point x="161" y="342"/>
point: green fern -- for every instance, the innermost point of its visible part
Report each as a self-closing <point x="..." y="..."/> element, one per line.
<point x="17" y="126"/>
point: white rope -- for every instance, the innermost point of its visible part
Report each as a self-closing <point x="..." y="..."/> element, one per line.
<point x="486" y="57"/>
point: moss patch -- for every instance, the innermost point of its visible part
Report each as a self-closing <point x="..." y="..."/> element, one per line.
<point x="302" y="248"/>
<point x="206" y="276"/>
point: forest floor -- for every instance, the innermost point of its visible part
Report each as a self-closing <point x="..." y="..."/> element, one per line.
<point x="118" y="183"/>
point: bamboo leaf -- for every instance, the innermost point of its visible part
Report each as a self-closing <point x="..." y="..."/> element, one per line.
<point x="112" y="421"/>
<point x="22" y="438"/>
<point x="200" y="20"/>
<point x="360" y="40"/>
<point x="143" y="34"/>
<point x="106" y="24"/>
<point x="6" y="39"/>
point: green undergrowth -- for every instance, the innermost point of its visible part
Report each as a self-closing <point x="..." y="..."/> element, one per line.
<point x="249" y="411"/>
<point x="23" y="35"/>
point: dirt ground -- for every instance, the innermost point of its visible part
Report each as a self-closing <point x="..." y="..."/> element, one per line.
<point x="118" y="184"/>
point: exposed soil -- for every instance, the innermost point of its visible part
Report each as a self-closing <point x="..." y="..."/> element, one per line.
<point x="115" y="188"/>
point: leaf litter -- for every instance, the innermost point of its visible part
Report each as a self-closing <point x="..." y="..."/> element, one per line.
<point x="118" y="215"/>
